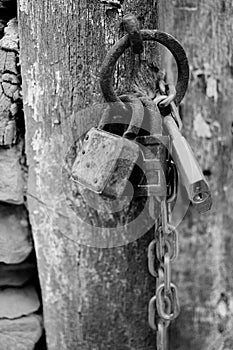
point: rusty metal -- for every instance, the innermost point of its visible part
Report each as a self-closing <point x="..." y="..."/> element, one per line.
<point x="133" y="110"/>
<point x="137" y="115"/>
<point x="164" y="305"/>
<point x="107" y="70"/>
<point x="132" y="27"/>
<point x="154" y="149"/>
<point x="106" y="160"/>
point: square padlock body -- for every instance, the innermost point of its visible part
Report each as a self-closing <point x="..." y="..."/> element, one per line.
<point x="105" y="162"/>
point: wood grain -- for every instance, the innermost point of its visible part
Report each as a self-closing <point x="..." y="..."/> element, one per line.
<point x="92" y="298"/>
<point x="204" y="269"/>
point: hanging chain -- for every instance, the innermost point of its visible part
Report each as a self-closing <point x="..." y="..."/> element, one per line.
<point x="164" y="305"/>
<point x="163" y="249"/>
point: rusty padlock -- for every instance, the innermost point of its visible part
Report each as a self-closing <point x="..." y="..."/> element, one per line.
<point x="106" y="160"/>
<point x="154" y="149"/>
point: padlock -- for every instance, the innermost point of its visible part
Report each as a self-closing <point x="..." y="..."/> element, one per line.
<point x="192" y="177"/>
<point x="154" y="148"/>
<point x="106" y="160"/>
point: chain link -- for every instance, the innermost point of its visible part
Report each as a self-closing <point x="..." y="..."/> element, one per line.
<point x="164" y="248"/>
<point x="164" y="305"/>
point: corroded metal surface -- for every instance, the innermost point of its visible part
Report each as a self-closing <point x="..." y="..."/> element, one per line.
<point x="154" y="158"/>
<point x="105" y="162"/>
<point x="131" y="25"/>
<point x="116" y="51"/>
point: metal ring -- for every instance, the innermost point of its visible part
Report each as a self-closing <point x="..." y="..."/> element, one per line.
<point x="151" y="258"/>
<point x="173" y="232"/>
<point x="172" y="196"/>
<point x="105" y="118"/>
<point x="167" y="40"/>
<point x="168" y="316"/>
<point x="169" y="245"/>
<point x="164" y="216"/>
<point x="152" y="313"/>
<point x="160" y="246"/>
<point x="133" y="106"/>
<point x="137" y="115"/>
<point x="160" y="278"/>
<point x="167" y="274"/>
<point x="168" y="307"/>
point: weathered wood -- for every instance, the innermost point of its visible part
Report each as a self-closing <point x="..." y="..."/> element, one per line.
<point x="92" y="298"/>
<point x="204" y="269"/>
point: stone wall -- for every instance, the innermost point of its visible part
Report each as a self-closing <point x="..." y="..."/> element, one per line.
<point x="21" y="325"/>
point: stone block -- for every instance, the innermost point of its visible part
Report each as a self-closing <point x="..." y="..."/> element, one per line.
<point x="21" y="334"/>
<point x="18" y="302"/>
<point x="15" y="236"/>
<point x="11" y="179"/>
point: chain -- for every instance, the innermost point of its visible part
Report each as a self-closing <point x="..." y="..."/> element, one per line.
<point x="163" y="249"/>
<point x="164" y="305"/>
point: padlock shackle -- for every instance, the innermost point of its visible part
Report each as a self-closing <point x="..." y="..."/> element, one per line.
<point x="136" y="111"/>
<point x="167" y="40"/>
<point x="137" y="116"/>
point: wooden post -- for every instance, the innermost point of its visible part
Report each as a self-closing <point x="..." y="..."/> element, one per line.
<point x="92" y="298"/>
<point x="204" y="269"/>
